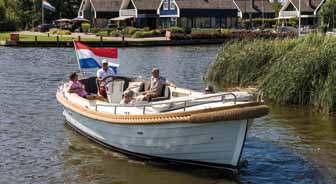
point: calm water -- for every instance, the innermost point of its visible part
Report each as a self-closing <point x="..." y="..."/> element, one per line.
<point x="290" y="145"/>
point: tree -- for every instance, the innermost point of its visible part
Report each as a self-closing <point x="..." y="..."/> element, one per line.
<point x="276" y="5"/>
<point x="328" y="15"/>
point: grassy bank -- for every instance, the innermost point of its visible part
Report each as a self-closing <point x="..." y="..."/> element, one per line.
<point x="289" y="71"/>
<point x="44" y="37"/>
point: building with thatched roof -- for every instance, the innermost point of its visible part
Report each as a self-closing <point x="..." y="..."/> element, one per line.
<point x="99" y="11"/>
<point x="166" y="13"/>
<point x="197" y="13"/>
<point x="309" y="10"/>
<point x="142" y="11"/>
<point x="249" y="9"/>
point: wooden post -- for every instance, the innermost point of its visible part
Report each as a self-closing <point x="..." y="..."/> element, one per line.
<point x="101" y="40"/>
<point x="79" y="38"/>
<point x="35" y="40"/>
<point x="57" y="40"/>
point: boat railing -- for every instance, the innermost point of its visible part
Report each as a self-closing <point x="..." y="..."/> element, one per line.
<point x="185" y="103"/>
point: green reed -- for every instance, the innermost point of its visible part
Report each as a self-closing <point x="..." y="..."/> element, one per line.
<point x="288" y="71"/>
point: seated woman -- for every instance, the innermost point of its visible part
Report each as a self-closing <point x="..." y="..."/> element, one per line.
<point x="128" y="98"/>
<point x="76" y="87"/>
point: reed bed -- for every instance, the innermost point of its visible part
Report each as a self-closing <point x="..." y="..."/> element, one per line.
<point x="288" y="71"/>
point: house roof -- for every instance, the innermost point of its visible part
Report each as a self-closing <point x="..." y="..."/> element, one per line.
<point x="254" y="6"/>
<point x="307" y="5"/>
<point x="205" y="4"/>
<point x="147" y="4"/>
<point x="142" y="4"/>
<point x="106" y="5"/>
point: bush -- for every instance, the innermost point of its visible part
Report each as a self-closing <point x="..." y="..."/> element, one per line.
<point x="85" y="27"/>
<point x="95" y="30"/>
<point x="108" y="32"/>
<point x="202" y="30"/>
<point x="176" y="30"/>
<point x="56" y="31"/>
<point x="8" y="26"/>
<point x="258" y="22"/>
<point x="228" y="34"/>
<point x="288" y="71"/>
<point x="293" y="21"/>
<point x="130" y="30"/>
<point x="145" y="34"/>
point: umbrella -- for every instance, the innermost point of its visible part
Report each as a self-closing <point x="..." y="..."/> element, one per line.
<point x="63" y="20"/>
<point x="80" y="19"/>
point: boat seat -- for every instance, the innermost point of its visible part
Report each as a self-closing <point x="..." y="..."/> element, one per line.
<point x="90" y="85"/>
<point x="114" y="90"/>
<point x="165" y="95"/>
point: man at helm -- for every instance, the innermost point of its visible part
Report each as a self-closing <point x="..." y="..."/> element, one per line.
<point x="101" y="74"/>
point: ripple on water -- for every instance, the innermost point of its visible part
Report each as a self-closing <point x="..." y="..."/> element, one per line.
<point x="35" y="147"/>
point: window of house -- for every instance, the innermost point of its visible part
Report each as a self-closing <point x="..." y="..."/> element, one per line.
<point x="172" y="5"/>
<point x="165" y="5"/>
<point x="173" y="21"/>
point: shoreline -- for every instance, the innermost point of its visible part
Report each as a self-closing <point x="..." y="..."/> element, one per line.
<point x="142" y="43"/>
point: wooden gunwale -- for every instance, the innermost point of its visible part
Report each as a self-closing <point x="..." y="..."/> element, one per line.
<point x="234" y="112"/>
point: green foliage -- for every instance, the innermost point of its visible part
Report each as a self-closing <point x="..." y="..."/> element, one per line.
<point x="144" y="33"/>
<point x="85" y="27"/>
<point x="204" y="30"/>
<point x="229" y="34"/>
<point x="176" y="30"/>
<point x="24" y="14"/>
<point x="288" y="71"/>
<point x="276" y="5"/>
<point x="130" y="30"/>
<point x="258" y="22"/>
<point x="328" y="14"/>
<point x="56" y="31"/>
<point x="293" y="21"/>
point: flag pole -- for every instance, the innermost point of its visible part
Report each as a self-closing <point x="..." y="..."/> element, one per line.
<point x="299" y="18"/>
<point x="77" y="57"/>
<point x="42" y="13"/>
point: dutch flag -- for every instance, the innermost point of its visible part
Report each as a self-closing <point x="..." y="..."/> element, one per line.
<point x="92" y="57"/>
<point x="48" y="6"/>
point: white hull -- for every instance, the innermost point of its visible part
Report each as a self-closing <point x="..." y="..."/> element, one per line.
<point x="217" y="144"/>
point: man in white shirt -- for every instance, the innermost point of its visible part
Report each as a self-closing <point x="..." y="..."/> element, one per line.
<point x="104" y="71"/>
<point x="101" y="74"/>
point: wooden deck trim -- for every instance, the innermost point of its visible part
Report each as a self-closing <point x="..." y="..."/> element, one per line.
<point x="234" y="112"/>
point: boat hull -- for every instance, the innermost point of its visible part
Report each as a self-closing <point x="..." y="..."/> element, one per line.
<point x="213" y="144"/>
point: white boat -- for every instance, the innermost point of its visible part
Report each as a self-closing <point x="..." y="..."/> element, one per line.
<point x="183" y="126"/>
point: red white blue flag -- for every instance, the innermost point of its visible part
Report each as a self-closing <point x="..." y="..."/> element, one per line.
<point x="92" y="57"/>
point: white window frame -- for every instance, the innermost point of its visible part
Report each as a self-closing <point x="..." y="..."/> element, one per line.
<point x="172" y="5"/>
<point x="166" y="5"/>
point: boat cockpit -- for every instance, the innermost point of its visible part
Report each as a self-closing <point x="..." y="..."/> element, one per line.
<point x="117" y="85"/>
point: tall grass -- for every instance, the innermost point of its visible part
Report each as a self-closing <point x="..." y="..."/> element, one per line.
<point x="290" y="71"/>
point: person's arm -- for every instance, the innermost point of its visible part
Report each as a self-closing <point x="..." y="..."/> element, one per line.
<point x="99" y="78"/>
<point x="71" y="89"/>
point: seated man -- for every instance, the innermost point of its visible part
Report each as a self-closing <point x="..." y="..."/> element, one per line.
<point x="127" y="98"/>
<point x="76" y="87"/>
<point x="156" y="85"/>
<point x="101" y="74"/>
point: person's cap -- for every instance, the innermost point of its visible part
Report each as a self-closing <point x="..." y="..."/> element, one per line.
<point x="104" y="61"/>
<point x="155" y="69"/>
